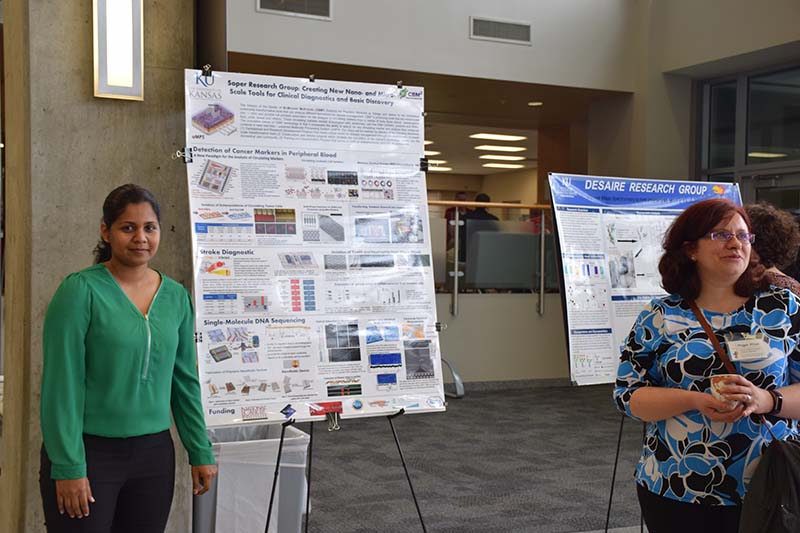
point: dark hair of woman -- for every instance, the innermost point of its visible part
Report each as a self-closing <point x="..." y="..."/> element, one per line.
<point x="679" y="273"/>
<point x="778" y="236"/>
<point x="114" y="205"/>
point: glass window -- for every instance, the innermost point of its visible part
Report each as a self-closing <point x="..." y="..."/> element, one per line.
<point x="722" y="125"/>
<point x="773" y="126"/>
<point x="784" y="198"/>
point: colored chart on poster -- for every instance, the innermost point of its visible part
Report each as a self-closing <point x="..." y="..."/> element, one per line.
<point x="313" y="280"/>
<point x="609" y="233"/>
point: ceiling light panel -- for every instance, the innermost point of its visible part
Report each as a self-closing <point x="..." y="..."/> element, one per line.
<point x="498" y="157"/>
<point x="493" y="148"/>
<point x="497" y="137"/>
<point x="502" y="165"/>
<point x="431" y="152"/>
<point x="439" y="169"/>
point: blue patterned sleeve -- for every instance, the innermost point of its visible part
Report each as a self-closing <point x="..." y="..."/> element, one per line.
<point x="638" y="362"/>
<point x="793" y="310"/>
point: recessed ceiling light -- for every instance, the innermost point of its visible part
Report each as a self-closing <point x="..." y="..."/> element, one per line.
<point x="440" y="169"/>
<point x="493" y="148"/>
<point x="428" y="142"/>
<point x="766" y="155"/>
<point x="502" y="165"/>
<point x="431" y="152"/>
<point x="498" y="157"/>
<point x="437" y="161"/>
<point x="535" y="104"/>
<point x="497" y="137"/>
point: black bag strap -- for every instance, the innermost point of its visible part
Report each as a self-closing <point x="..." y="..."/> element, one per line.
<point x="713" y="338"/>
<point x="718" y="348"/>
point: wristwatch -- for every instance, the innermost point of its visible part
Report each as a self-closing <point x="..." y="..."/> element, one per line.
<point x="777" y="402"/>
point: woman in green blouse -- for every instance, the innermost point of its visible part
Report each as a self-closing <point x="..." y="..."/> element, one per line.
<point x="119" y="355"/>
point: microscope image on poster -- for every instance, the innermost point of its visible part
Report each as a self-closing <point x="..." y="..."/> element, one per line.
<point x="622" y="271"/>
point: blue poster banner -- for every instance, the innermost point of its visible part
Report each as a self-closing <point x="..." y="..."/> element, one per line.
<point x="634" y="193"/>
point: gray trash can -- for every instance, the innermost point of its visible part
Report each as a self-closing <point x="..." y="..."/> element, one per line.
<point x="239" y="497"/>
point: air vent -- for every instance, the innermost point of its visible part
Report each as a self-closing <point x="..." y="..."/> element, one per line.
<point x="297" y="8"/>
<point x="500" y="30"/>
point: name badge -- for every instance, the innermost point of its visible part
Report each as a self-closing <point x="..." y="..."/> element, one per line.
<point x="746" y="346"/>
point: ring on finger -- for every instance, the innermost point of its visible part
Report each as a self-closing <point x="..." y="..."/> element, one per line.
<point x="747" y="398"/>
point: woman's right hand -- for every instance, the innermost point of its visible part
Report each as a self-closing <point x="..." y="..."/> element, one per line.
<point x="717" y="410"/>
<point x="74" y="496"/>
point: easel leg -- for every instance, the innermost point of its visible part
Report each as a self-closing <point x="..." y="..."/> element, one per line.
<point x="308" y="472"/>
<point x="614" y="475"/>
<point x="277" y="470"/>
<point x="405" y="468"/>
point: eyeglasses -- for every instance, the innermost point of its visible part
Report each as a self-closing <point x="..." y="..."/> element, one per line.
<point x="726" y="236"/>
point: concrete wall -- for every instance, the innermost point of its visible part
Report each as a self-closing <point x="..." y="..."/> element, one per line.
<point x="516" y="186"/>
<point x="580" y="43"/>
<point x="700" y="32"/>
<point x="501" y="337"/>
<point x="80" y="148"/>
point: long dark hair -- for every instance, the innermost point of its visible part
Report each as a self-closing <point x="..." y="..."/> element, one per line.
<point x="116" y="202"/>
<point x="678" y="271"/>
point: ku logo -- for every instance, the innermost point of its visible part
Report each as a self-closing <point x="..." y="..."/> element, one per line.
<point x="205" y="81"/>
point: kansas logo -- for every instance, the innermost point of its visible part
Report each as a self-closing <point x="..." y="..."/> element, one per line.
<point x="205" y="81"/>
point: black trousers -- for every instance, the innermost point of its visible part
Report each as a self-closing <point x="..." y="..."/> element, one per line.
<point x="665" y="515"/>
<point x="132" y="481"/>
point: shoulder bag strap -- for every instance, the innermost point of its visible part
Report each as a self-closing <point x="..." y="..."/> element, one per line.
<point x="713" y="338"/>
<point x="728" y="365"/>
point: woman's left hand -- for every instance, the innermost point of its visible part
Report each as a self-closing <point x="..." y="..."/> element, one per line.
<point x="201" y="478"/>
<point x="754" y="399"/>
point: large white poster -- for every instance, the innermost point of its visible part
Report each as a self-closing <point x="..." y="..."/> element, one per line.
<point x="313" y="279"/>
<point x="610" y="232"/>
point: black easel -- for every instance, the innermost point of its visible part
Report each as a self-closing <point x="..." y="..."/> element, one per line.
<point x="277" y="470"/>
<point x="402" y="460"/>
<point x="614" y="474"/>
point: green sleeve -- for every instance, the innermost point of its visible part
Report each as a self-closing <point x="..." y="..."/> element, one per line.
<point x="187" y="408"/>
<point x="64" y="377"/>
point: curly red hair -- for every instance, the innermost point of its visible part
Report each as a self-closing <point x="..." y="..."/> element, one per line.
<point x="678" y="271"/>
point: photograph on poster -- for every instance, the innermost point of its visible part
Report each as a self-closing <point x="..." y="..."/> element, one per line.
<point x="214" y="118"/>
<point x="214" y="177"/>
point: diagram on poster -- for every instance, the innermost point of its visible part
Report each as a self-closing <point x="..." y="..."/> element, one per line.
<point x="313" y="279"/>
<point x="610" y="232"/>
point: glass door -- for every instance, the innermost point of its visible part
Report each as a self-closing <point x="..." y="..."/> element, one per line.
<point x="781" y="190"/>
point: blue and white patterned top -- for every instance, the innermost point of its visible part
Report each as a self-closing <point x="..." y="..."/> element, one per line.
<point x="688" y="457"/>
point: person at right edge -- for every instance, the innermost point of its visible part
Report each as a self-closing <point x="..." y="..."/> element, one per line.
<point x="699" y="452"/>
<point x="777" y="244"/>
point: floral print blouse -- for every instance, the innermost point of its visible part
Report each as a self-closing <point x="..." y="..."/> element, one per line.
<point x="688" y="457"/>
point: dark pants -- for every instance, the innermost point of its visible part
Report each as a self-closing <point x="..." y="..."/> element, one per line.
<point x="664" y="515"/>
<point x="132" y="481"/>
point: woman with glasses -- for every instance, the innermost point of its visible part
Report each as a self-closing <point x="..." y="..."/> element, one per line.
<point x="700" y="451"/>
<point x="778" y="242"/>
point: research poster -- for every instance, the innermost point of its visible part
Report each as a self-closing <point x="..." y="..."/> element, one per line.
<point x="610" y="232"/>
<point x="313" y="281"/>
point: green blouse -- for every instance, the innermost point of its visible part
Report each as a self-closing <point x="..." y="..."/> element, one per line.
<point x="111" y="371"/>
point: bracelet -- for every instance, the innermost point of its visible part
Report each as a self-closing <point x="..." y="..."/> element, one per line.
<point x="777" y="402"/>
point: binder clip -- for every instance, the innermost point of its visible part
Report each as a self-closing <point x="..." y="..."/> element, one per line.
<point x="185" y="155"/>
<point x="440" y="327"/>
<point x="207" y="72"/>
<point x="423" y="164"/>
<point x="312" y="78"/>
<point x="399" y="84"/>
<point x="333" y="421"/>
